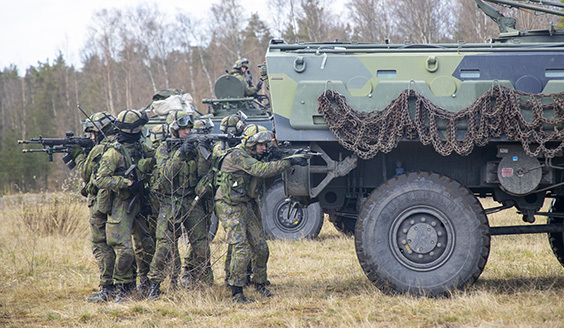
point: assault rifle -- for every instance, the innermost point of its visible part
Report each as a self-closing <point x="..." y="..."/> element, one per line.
<point x="59" y="145"/>
<point x="141" y="195"/>
<point x="283" y="151"/>
<point x="196" y="137"/>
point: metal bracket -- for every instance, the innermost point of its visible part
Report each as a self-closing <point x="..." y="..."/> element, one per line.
<point x="334" y="169"/>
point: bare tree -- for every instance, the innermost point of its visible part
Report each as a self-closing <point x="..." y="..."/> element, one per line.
<point x="313" y="20"/>
<point x="423" y="21"/>
<point x="370" y="19"/>
<point x="279" y="15"/>
<point x="227" y="26"/>
<point x="154" y="35"/>
<point x="105" y="44"/>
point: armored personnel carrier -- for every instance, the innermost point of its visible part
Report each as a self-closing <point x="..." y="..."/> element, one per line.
<point x="412" y="135"/>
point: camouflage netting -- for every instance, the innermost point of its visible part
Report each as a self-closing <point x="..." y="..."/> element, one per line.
<point x="497" y="113"/>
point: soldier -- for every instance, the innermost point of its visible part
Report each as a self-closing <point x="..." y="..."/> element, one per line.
<point x="233" y="124"/>
<point x="241" y="71"/>
<point x="103" y="133"/>
<point x="178" y="179"/>
<point x="127" y="154"/>
<point x="236" y="205"/>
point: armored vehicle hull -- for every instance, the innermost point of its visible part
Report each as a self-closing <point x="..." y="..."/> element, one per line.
<point x="411" y="136"/>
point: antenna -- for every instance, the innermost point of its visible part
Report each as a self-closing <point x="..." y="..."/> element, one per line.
<point x="93" y="123"/>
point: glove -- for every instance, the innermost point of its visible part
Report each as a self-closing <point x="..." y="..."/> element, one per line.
<point x="204" y="143"/>
<point x="136" y="187"/>
<point x="298" y="161"/>
<point x="75" y="151"/>
<point x="259" y="85"/>
<point x="187" y="147"/>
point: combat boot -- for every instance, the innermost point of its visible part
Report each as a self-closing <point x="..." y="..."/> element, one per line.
<point x="187" y="280"/>
<point x="97" y="293"/>
<point x="105" y="294"/>
<point x="155" y="291"/>
<point x="261" y="289"/>
<point x="238" y="297"/>
<point x="143" y="288"/>
<point x="123" y="292"/>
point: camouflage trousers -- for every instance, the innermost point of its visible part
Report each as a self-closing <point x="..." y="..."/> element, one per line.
<point x="246" y="239"/>
<point x="104" y="255"/>
<point x="172" y="217"/>
<point x="119" y="229"/>
<point x="144" y="242"/>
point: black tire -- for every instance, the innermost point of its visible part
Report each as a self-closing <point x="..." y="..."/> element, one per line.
<point x="556" y="239"/>
<point x="343" y="224"/>
<point x="422" y="234"/>
<point x="306" y="224"/>
<point x="214" y="225"/>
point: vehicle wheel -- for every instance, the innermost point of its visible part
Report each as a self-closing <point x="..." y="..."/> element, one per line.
<point x="556" y="239"/>
<point x="214" y="225"/>
<point x="422" y="233"/>
<point x="343" y="224"/>
<point x="305" y="224"/>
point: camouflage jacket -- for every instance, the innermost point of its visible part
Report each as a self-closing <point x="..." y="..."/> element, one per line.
<point x="179" y="174"/>
<point x="249" y="91"/>
<point x="115" y="162"/>
<point x="240" y="176"/>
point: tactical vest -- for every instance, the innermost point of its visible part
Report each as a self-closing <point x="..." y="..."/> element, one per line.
<point x="236" y="187"/>
<point x="100" y="198"/>
<point x="130" y="159"/>
<point x="183" y="182"/>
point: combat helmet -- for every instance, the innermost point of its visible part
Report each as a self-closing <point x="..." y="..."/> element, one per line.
<point x="131" y="121"/>
<point x="234" y="124"/>
<point x="99" y="121"/>
<point x="179" y="119"/>
<point x="257" y="134"/>
<point x="243" y="62"/>
<point x="158" y="133"/>
<point x="203" y="126"/>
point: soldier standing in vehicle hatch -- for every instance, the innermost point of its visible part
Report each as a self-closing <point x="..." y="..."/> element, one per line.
<point x="241" y="71"/>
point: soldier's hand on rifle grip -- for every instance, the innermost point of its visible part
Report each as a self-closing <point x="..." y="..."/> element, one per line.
<point x="75" y="151"/>
<point x="259" y="85"/>
<point x="187" y="147"/>
<point x="205" y="143"/>
<point x="301" y="161"/>
<point x="135" y="187"/>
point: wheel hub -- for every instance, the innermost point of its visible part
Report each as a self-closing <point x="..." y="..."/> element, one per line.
<point x="422" y="238"/>
<point x="289" y="220"/>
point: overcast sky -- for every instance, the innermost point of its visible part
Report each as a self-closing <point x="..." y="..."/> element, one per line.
<point x="33" y="31"/>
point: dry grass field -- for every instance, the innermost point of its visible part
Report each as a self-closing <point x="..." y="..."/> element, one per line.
<point x="46" y="270"/>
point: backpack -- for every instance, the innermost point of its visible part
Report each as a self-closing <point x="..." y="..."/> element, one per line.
<point x="170" y="100"/>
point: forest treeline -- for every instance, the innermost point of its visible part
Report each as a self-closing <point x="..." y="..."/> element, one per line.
<point x="132" y="53"/>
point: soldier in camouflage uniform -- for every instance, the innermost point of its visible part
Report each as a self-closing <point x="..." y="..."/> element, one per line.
<point x="178" y="178"/>
<point x="236" y="204"/>
<point x="102" y="132"/>
<point x="191" y="262"/>
<point x="233" y="124"/>
<point x="126" y="193"/>
<point x="241" y="71"/>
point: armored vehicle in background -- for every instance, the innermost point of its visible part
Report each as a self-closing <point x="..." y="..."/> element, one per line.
<point x="411" y="135"/>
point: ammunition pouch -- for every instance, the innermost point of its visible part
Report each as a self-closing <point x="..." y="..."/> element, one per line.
<point x="234" y="187"/>
<point x="104" y="201"/>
